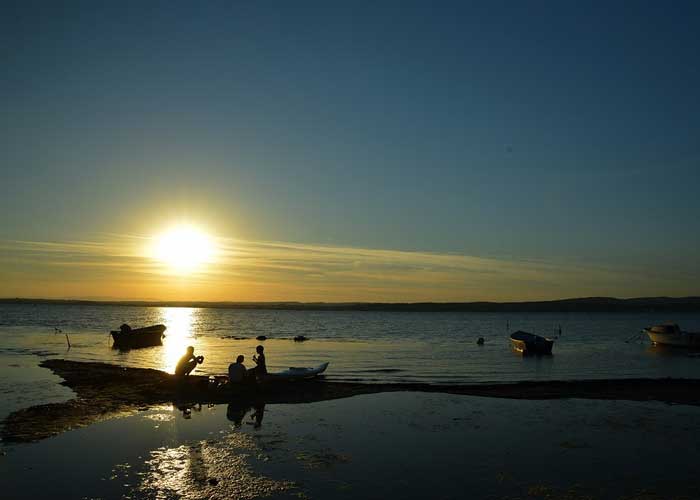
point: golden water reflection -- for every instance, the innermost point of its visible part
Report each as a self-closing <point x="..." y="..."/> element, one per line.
<point x="208" y="469"/>
<point x="179" y="334"/>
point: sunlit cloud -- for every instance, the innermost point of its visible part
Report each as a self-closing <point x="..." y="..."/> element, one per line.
<point x="120" y="266"/>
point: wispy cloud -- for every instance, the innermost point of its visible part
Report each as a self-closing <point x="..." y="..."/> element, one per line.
<point x="264" y="270"/>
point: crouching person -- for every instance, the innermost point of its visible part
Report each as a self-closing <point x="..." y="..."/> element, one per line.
<point x="188" y="362"/>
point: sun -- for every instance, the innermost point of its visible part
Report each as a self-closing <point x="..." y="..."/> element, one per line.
<point x="184" y="249"/>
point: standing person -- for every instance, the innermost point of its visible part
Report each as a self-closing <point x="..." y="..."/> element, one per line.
<point x="261" y="369"/>
<point x="188" y="362"/>
<point x="237" y="371"/>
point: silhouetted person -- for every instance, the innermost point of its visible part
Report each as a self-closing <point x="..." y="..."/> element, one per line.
<point x="188" y="362"/>
<point x="261" y="369"/>
<point x="237" y="371"/>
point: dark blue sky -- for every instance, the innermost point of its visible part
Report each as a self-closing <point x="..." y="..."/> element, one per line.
<point x="531" y="130"/>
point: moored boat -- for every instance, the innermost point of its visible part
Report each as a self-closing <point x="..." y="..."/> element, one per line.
<point x="129" y="338"/>
<point x="529" y="343"/>
<point x="671" y="334"/>
<point x="297" y="373"/>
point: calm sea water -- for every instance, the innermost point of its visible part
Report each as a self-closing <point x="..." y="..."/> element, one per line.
<point x="368" y="346"/>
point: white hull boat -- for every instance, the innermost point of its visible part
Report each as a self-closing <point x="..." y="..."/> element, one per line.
<point x="298" y="373"/>
<point x="671" y="334"/>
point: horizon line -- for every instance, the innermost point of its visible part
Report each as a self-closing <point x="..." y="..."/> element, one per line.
<point x="576" y="304"/>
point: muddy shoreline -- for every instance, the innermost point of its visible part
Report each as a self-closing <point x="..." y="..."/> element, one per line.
<point x="106" y="391"/>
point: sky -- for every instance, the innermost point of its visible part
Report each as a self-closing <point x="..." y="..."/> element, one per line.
<point x="356" y="151"/>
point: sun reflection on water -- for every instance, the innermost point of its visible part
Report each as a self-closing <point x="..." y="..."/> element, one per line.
<point x="179" y="322"/>
<point x="208" y="469"/>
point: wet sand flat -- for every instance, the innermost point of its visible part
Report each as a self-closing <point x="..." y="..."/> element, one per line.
<point x="104" y="391"/>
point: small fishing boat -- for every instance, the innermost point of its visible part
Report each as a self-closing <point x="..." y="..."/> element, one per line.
<point x="297" y="373"/>
<point x="671" y="334"/>
<point x="129" y="338"/>
<point x="529" y="343"/>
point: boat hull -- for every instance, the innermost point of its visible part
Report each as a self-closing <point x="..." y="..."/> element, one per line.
<point x="297" y="373"/>
<point x="677" y="339"/>
<point x="529" y="343"/>
<point x="141" y="337"/>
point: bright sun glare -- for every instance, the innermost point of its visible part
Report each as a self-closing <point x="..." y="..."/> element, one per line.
<point x="184" y="249"/>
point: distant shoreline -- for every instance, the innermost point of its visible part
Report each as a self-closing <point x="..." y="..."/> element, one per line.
<point x="585" y="304"/>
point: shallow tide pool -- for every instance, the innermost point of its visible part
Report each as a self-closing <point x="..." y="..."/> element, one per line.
<point x="392" y="445"/>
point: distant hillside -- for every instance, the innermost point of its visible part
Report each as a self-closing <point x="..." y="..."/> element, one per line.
<point x="587" y="304"/>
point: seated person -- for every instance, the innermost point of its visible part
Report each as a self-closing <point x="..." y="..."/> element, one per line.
<point x="188" y="362"/>
<point x="237" y="371"/>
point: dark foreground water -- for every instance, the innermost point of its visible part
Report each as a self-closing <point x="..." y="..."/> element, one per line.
<point x="394" y="445"/>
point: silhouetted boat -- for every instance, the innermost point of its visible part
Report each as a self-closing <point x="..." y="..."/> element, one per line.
<point x="529" y="343"/>
<point x="128" y="338"/>
<point x="671" y="334"/>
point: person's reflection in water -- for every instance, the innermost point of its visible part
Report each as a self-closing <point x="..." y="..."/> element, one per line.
<point x="187" y="410"/>
<point x="235" y="412"/>
<point x="258" y="415"/>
